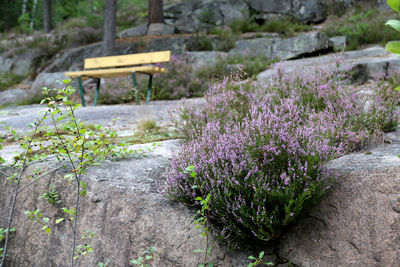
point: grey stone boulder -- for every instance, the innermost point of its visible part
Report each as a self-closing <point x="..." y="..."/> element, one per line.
<point x="23" y="64"/>
<point x="305" y="10"/>
<point x="50" y="80"/>
<point x="301" y="45"/>
<point x="124" y="207"/>
<point x="361" y="65"/>
<point x="206" y="58"/>
<point x="193" y="16"/>
<point x="338" y="42"/>
<point x="160" y="29"/>
<point x="357" y="223"/>
<point x="254" y="47"/>
<point x="139" y="30"/>
<point x="13" y="96"/>
<point x="284" y="48"/>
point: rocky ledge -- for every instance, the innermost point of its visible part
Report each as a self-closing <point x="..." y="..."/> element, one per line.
<point x="356" y="224"/>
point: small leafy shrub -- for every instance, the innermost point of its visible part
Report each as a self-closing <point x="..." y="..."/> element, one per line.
<point x="362" y="26"/>
<point x="259" y="260"/>
<point x="259" y="149"/>
<point x="51" y="196"/>
<point x="146" y="259"/>
<point x="286" y="25"/>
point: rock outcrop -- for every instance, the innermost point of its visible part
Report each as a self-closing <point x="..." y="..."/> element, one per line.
<point x="358" y="222"/>
<point x="304" y="10"/>
<point x="22" y="64"/>
<point x="361" y="65"/>
<point x="126" y="211"/>
<point x="284" y="48"/>
<point x="194" y="16"/>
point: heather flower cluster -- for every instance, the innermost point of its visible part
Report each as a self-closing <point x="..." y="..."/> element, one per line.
<point x="259" y="149"/>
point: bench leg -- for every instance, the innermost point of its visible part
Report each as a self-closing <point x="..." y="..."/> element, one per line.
<point x="96" y="96"/>
<point x="81" y="91"/>
<point x="149" y="88"/>
<point x="135" y="88"/>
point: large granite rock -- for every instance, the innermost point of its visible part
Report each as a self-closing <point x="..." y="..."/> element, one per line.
<point x="284" y="48"/>
<point x="22" y="64"/>
<point x="193" y="16"/>
<point x="125" y="209"/>
<point x="358" y="222"/>
<point x="139" y="30"/>
<point x="361" y="65"/>
<point x="50" y="80"/>
<point x="160" y="29"/>
<point x="304" y="10"/>
<point x="13" y="96"/>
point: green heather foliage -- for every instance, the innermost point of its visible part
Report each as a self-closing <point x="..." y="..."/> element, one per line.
<point x="286" y="25"/>
<point x="258" y="150"/>
<point x="362" y="26"/>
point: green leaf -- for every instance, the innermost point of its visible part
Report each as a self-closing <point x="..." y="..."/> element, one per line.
<point x="252" y="258"/>
<point x="394" y="23"/>
<point x="46" y="220"/>
<point x="83" y="184"/>
<point x="83" y="192"/>
<point x="48" y="230"/>
<point x="261" y="255"/>
<point x="59" y="220"/>
<point x="393" y="47"/>
<point x="394" y="4"/>
<point x="397" y="88"/>
<point x="148" y="257"/>
<point x="198" y="251"/>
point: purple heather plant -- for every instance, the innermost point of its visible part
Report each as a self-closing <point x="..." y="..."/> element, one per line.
<point x="259" y="149"/>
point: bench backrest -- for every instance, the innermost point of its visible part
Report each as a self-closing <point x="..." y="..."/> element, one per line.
<point x="127" y="60"/>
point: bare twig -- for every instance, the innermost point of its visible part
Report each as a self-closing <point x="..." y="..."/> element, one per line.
<point x="4" y="173"/>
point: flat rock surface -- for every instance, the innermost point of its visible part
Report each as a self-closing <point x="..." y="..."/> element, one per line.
<point x="127" y="115"/>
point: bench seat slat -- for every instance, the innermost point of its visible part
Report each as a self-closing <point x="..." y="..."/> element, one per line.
<point x="127" y="60"/>
<point x="116" y="72"/>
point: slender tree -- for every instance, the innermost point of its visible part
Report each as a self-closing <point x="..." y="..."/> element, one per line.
<point x="31" y="24"/>
<point x="47" y="27"/>
<point x="109" y="27"/>
<point x="156" y="14"/>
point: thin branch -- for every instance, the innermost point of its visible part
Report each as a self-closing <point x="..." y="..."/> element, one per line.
<point x="41" y="176"/>
<point x="39" y="161"/>
<point x="14" y="200"/>
<point x="4" y="173"/>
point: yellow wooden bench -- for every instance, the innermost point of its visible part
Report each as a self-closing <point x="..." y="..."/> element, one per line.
<point x="119" y="66"/>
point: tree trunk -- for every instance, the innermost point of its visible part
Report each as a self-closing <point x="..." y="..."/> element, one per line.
<point x="47" y="16"/>
<point x="156" y="14"/>
<point x="24" y="3"/>
<point x="109" y="27"/>
<point x="33" y="15"/>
